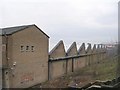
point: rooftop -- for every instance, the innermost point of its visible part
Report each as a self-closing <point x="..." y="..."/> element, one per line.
<point x="12" y="30"/>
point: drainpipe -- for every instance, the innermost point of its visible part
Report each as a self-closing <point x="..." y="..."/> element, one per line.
<point x="5" y="83"/>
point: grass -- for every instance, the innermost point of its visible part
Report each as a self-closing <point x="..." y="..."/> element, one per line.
<point x="105" y="70"/>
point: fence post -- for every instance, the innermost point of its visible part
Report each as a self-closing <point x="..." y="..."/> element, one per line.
<point x="66" y="66"/>
<point x="72" y="65"/>
<point x="49" y="69"/>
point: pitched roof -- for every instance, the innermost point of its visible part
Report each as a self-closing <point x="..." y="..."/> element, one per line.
<point x="71" y="47"/>
<point x="82" y="49"/>
<point x="11" y="30"/>
<point x="88" y="48"/>
<point x="59" y="43"/>
<point x="94" y="48"/>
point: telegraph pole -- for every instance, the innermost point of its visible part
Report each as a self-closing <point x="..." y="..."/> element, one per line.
<point x="118" y="66"/>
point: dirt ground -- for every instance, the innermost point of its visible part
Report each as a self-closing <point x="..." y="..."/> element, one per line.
<point x="67" y="81"/>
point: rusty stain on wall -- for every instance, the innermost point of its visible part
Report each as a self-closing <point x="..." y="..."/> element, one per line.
<point x="27" y="77"/>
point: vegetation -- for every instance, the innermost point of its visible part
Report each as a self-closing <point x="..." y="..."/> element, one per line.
<point x="105" y="70"/>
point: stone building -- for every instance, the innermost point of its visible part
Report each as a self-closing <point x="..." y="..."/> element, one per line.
<point x="25" y="59"/>
<point x="57" y="68"/>
<point x="24" y="56"/>
<point x="72" y="64"/>
<point x="82" y="62"/>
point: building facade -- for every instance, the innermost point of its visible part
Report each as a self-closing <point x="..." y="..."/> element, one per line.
<point x="24" y="56"/>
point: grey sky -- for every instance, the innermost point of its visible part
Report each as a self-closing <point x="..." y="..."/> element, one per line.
<point x="93" y="21"/>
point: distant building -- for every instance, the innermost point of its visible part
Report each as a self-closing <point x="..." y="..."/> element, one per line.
<point x="24" y="56"/>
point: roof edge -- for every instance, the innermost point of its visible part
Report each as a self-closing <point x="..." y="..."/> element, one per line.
<point x="26" y="26"/>
<point x="41" y="30"/>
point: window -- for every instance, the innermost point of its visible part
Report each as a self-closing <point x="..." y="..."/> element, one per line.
<point x="22" y="48"/>
<point x="27" y="48"/>
<point x="32" y="48"/>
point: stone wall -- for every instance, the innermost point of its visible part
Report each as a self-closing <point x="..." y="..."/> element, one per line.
<point x="61" y="62"/>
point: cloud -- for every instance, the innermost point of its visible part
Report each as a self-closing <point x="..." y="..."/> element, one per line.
<point x="71" y="20"/>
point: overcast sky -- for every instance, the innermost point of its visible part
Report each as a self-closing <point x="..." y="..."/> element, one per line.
<point x="89" y="21"/>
